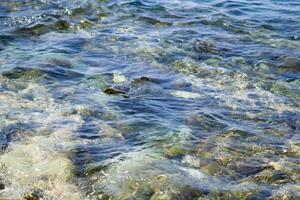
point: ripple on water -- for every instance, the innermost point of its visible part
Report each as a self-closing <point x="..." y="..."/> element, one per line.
<point x="149" y="100"/>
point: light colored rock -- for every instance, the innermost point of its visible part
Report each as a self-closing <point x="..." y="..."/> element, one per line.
<point x="185" y="94"/>
<point x="119" y="78"/>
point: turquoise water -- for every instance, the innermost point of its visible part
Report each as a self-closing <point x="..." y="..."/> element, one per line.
<point x="170" y="99"/>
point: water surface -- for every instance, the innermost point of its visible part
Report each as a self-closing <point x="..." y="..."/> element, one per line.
<point x="147" y="99"/>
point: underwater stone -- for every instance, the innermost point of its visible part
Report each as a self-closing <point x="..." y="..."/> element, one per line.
<point x="23" y="73"/>
<point x="247" y="169"/>
<point x="201" y="46"/>
<point x="153" y="21"/>
<point x="186" y="192"/>
<point x="172" y="152"/>
<point x="159" y="196"/>
<point x="2" y="186"/>
<point x="34" y="195"/>
<point x="84" y="24"/>
<point x="61" y="62"/>
<point x="236" y="134"/>
<point x="225" y="159"/>
<point x="113" y="91"/>
<point x="162" y="178"/>
<point x="287" y="192"/>
<point x="104" y="197"/>
<point x="35" y="30"/>
<point x="272" y="177"/>
<point x="206" y="122"/>
<point x="186" y="67"/>
<point x="31" y="197"/>
<point x="108" y="131"/>
<point x="239" y="60"/>
<point x="78" y="11"/>
<point x="83" y="111"/>
<point x="262" y="67"/>
<point x="213" y="169"/>
<point x="61" y="25"/>
<point x="289" y="63"/>
<point x="97" y="81"/>
<point x="144" y="79"/>
<point x="103" y="15"/>
<point x="213" y="62"/>
<point x="234" y="195"/>
<point x="193" y="161"/>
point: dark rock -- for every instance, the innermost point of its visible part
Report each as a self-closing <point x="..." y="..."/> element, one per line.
<point x="113" y="91"/>
<point x="36" y="30"/>
<point x="247" y="169"/>
<point x="145" y="79"/>
<point x="272" y="177"/>
<point x="23" y="73"/>
<point x="204" y="46"/>
<point x="61" y="25"/>
<point x="36" y="194"/>
<point x="2" y="186"/>
<point x="206" y="122"/>
<point x="61" y="62"/>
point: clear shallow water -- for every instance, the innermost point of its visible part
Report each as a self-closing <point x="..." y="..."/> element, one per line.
<point x="149" y="99"/>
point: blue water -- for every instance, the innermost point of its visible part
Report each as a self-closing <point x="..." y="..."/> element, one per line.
<point x="128" y="99"/>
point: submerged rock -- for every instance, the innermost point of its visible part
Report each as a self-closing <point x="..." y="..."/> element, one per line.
<point x="246" y="168"/>
<point x="213" y="169"/>
<point x="35" y="30"/>
<point x="39" y="159"/>
<point x="130" y="177"/>
<point x="61" y="25"/>
<point x="86" y="24"/>
<point x="235" y="195"/>
<point x="287" y="192"/>
<point x="202" y="46"/>
<point x="23" y="73"/>
<point x="144" y="86"/>
<point x="98" y="81"/>
<point x="213" y="62"/>
<point x="2" y="186"/>
<point x="113" y="91"/>
<point x="110" y="132"/>
<point x="34" y="195"/>
<point x="103" y="15"/>
<point x="154" y="21"/>
<point x="174" y="151"/>
<point x="206" y="122"/>
<point x="148" y="175"/>
<point x="186" y="67"/>
<point x="177" y="143"/>
<point x="62" y="62"/>
<point x="273" y="177"/>
<point x="144" y="80"/>
<point x="194" y="162"/>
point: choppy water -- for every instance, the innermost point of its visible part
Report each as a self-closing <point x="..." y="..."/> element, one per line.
<point x="147" y="99"/>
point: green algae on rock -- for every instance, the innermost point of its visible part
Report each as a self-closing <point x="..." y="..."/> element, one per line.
<point x="113" y="91"/>
<point x="23" y="73"/>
